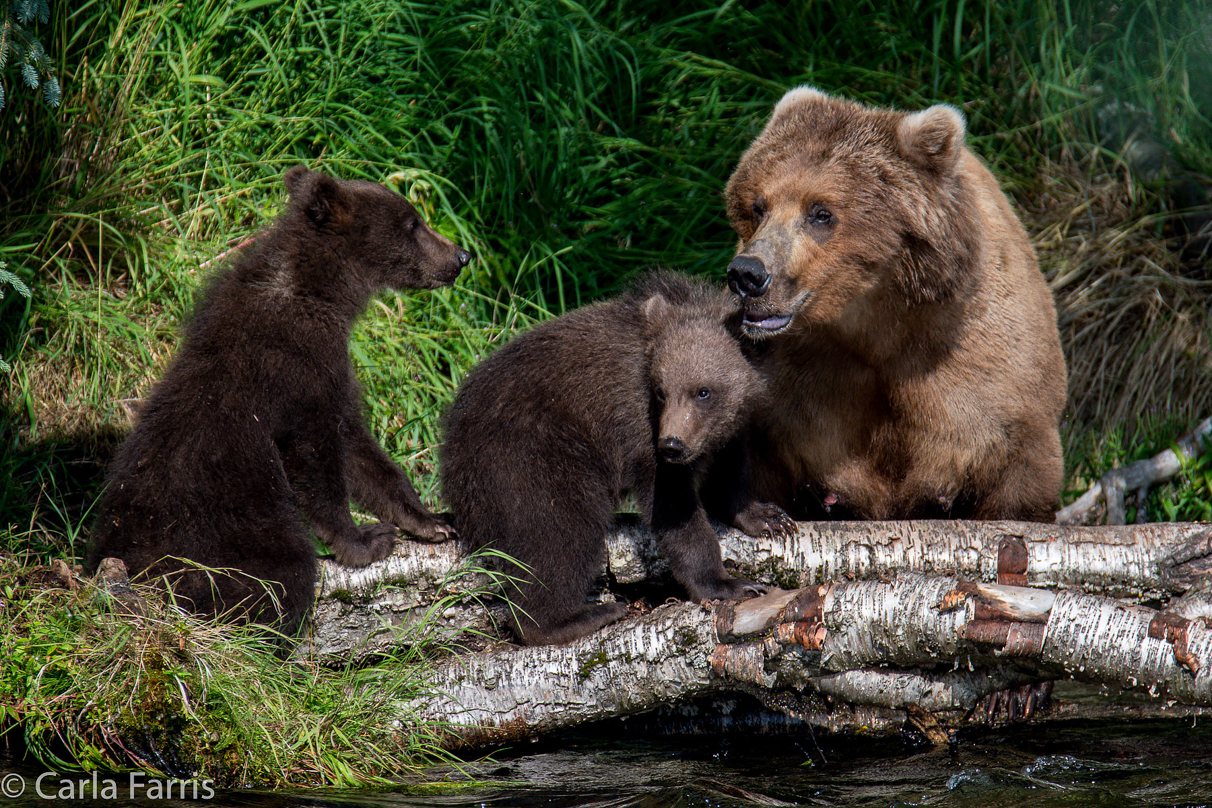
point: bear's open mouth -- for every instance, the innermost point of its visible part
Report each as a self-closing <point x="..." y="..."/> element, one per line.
<point x="760" y="322"/>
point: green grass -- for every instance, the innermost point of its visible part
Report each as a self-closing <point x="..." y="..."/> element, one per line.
<point x="568" y="145"/>
<point x="90" y="680"/>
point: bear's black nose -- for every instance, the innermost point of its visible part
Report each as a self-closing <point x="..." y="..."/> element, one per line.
<point x="462" y="256"/>
<point x="671" y="448"/>
<point x="747" y="276"/>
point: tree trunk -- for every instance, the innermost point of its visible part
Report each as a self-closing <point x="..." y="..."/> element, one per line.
<point x="942" y="644"/>
<point x="1135" y="478"/>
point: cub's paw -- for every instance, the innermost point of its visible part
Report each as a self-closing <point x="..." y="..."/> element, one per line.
<point x="434" y="530"/>
<point x="765" y="519"/>
<point x="728" y="589"/>
<point x="374" y="543"/>
<point x="581" y="624"/>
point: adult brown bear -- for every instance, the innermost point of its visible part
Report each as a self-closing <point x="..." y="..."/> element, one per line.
<point x="909" y="340"/>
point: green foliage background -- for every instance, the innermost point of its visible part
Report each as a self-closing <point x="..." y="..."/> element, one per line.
<point x="567" y="144"/>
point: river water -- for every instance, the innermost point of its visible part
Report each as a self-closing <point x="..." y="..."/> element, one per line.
<point x="1059" y="763"/>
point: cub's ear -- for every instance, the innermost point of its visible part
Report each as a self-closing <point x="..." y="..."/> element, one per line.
<point x="932" y="138"/>
<point x="316" y="194"/>
<point x="657" y="313"/>
<point x="294" y="178"/>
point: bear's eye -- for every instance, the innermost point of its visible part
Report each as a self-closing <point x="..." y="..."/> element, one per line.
<point x="410" y="224"/>
<point x="704" y="394"/>
<point x="759" y="208"/>
<point x="820" y="216"/>
<point x="660" y="394"/>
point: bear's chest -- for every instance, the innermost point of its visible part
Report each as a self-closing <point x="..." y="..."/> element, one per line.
<point x="835" y="440"/>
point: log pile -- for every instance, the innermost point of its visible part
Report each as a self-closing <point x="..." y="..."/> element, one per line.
<point x="873" y="620"/>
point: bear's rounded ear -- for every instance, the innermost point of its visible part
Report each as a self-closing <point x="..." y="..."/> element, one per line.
<point x="932" y="138"/>
<point x="657" y="313"/>
<point x="293" y="179"/>
<point x="315" y="193"/>
<point x="804" y="94"/>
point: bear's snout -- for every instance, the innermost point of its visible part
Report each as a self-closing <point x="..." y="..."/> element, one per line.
<point x="462" y="257"/>
<point x="747" y="276"/>
<point x="671" y="449"/>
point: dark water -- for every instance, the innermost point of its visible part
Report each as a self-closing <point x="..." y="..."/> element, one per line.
<point x="1150" y="763"/>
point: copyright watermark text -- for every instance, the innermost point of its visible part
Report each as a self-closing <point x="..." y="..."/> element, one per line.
<point x="135" y="785"/>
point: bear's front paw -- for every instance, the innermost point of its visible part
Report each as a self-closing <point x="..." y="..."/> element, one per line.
<point x="434" y="530"/>
<point x="375" y="543"/>
<point x="766" y="520"/>
<point x="728" y="589"/>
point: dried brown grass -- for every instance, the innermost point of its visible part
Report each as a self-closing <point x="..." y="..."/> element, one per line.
<point x="1135" y="321"/>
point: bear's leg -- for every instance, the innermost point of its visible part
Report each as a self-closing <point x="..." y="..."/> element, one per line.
<point x="1028" y="489"/>
<point x="269" y="581"/>
<point x="379" y="485"/>
<point x="314" y="460"/>
<point x="728" y="492"/>
<point x="558" y="537"/>
<point x="581" y="622"/>
<point x="685" y="537"/>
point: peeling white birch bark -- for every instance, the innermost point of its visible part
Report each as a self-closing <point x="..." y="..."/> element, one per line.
<point x="365" y="610"/>
<point x="920" y="641"/>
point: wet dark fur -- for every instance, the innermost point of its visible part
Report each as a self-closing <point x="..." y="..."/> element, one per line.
<point x="548" y="434"/>
<point x="256" y="430"/>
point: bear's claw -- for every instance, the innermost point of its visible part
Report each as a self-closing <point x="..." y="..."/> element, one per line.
<point x="765" y="520"/>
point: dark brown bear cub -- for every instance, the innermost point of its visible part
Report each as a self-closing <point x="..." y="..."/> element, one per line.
<point x="255" y="429"/>
<point x="633" y="395"/>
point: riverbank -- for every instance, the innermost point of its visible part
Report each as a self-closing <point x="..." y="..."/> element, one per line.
<point x="103" y="675"/>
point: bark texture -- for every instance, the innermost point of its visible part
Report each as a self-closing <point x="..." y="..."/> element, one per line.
<point x="925" y="643"/>
<point x="363" y="611"/>
<point x="851" y="643"/>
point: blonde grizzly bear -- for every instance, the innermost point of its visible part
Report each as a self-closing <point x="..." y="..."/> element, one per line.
<point x="908" y="339"/>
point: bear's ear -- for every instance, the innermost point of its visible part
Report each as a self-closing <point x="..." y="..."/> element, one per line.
<point x="315" y="193"/>
<point x="932" y="138"/>
<point x="657" y="313"/>
<point x="293" y="179"/>
<point x="804" y="94"/>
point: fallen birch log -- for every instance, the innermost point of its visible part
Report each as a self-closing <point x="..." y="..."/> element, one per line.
<point x="366" y="610"/>
<point x="942" y="644"/>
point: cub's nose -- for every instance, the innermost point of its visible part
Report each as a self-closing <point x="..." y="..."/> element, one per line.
<point x="671" y="448"/>
<point x="747" y="276"/>
<point x="462" y="257"/>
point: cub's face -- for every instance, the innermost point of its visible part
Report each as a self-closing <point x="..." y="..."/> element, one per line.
<point x="377" y="228"/>
<point x="836" y="205"/>
<point x="702" y="389"/>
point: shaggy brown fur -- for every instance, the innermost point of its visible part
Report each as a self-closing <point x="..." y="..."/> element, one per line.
<point x="910" y="342"/>
<point x="548" y="434"/>
<point x="256" y="428"/>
